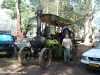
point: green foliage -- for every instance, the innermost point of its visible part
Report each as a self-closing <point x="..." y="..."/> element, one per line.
<point x="83" y="7"/>
<point x="26" y="13"/>
<point x="61" y="8"/>
<point x="34" y="3"/>
<point x="56" y="47"/>
<point x="27" y="24"/>
<point x="10" y="4"/>
<point x="51" y="43"/>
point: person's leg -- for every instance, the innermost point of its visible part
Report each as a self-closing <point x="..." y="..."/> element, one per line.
<point x="69" y="55"/>
<point x="65" y="55"/>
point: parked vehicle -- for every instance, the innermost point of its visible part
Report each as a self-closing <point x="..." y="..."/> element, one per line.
<point x="7" y="45"/>
<point x="92" y="56"/>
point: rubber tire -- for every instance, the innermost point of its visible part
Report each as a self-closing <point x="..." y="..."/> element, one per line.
<point x="22" y="60"/>
<point x="42" y="61"/>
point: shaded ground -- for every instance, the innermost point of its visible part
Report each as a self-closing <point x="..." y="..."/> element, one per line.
<point x="59" y="69"/>
<point x="6" y="62"/>
<point x="12" y="67"/>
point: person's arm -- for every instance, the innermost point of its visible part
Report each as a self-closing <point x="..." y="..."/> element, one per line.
<point x="62" y="43"/>
<point x="70" y="43"/>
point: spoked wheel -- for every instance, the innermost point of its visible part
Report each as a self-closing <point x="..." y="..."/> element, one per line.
<point x="45" y="57"/>
<point x="25" y="56"/>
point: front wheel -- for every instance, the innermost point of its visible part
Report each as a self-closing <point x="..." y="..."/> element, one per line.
<point x="25" y="56"/>
<point x="45" y="57"/>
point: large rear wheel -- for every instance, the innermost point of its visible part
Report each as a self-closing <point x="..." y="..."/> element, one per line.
<point x="45" y="57"/>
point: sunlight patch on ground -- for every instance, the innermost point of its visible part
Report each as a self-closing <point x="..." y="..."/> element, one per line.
<point x="33" y="66"/>
<point x="69" y="71"/>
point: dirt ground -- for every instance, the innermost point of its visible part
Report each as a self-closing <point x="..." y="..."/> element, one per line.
<point x="9" y="66"/>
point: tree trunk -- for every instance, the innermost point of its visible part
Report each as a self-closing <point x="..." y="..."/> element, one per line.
<point x="18" y="19"/>
<point x="88" y="29"/>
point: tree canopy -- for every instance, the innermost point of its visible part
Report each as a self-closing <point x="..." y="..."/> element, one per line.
<point x="79" y="11"/>
<point x="26" y="13"/>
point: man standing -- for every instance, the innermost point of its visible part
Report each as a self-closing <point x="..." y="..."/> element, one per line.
<point x="67" y="43"/>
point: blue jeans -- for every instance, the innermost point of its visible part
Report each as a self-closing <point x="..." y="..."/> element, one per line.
<point x="67" y="54"/>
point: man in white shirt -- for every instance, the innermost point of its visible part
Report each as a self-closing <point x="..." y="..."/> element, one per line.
<point x="67" y="43"/>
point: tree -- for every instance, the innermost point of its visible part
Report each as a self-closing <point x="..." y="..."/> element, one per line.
<point x="88" y="22"/>
<point x="79" y="11"/>
<point x="10" y="4"/>
<point x="23" y="13"/>
<point x="85" y="9"/>
<point x="27" y="14"/>
<point x="18" y="17"/>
